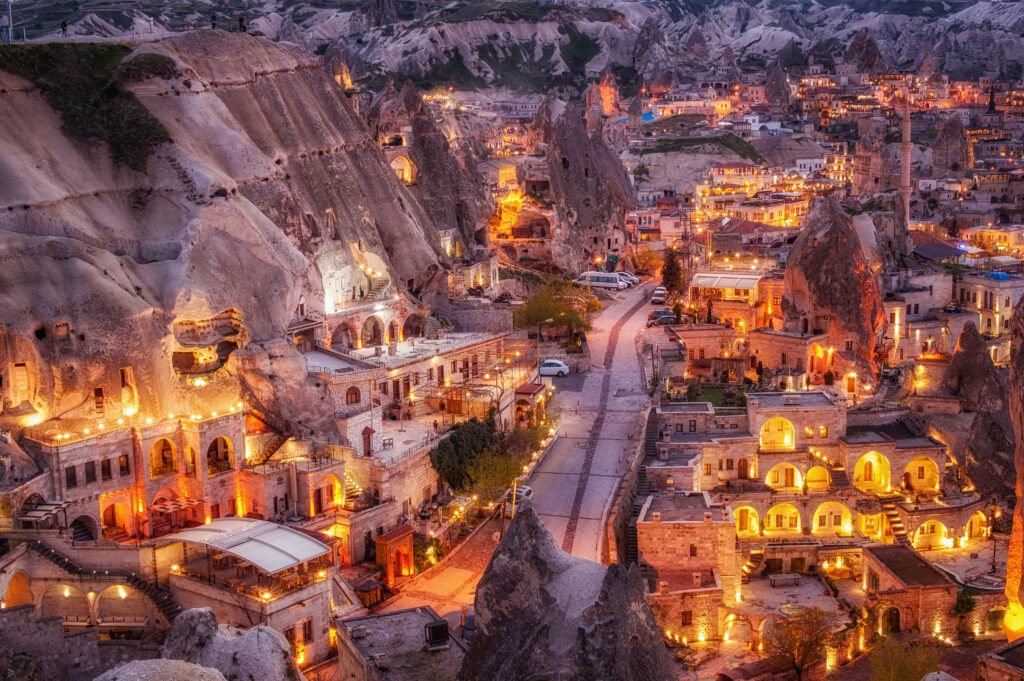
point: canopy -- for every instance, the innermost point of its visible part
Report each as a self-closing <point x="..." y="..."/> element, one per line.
<point x="269" y="546"/>
<point x="725" y="280"/>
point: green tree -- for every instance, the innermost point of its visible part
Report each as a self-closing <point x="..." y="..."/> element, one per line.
<point x="562" y="304"/>
<point x="677" y="311"/>
<point x="672" y="272"/>
<point x="964" y="604"/>
<point x="454" y="455"/>
<point x="894" y="660"/>
<point x="491" y="473"/>
<point x="801" y="640"/>
<point x="829" y="378"/>
<point x="646" y="259"/>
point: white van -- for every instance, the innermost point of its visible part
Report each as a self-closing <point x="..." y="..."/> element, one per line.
<point x="602" y="280"/>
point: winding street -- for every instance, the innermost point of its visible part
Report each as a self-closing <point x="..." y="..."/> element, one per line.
<point x="600" y="413"/>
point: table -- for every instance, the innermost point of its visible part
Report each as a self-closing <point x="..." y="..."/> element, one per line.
<point x="784" y="579"/>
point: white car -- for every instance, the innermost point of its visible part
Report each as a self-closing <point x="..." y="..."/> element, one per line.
<point x="554" y="367"/>
<point x="522" y="492"/>
<point x="628" y="278"/>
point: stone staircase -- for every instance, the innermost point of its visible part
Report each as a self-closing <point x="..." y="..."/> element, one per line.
<point x="432" y="328"/>
<point x="377" y="284"/>
<point x="80" y="532"/>
<point x="160" y="596"/>
<point x="839" y="477"/>
<point x="895" y="524"/>
<point x="631" y="554"/>
<point x="270" y="448"/>
<point x="753" y="564"/>
<point x="352" y="493"/>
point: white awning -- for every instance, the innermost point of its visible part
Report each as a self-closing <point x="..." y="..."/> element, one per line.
<point x="269" y="546"/>
<point x="725" y="280"/>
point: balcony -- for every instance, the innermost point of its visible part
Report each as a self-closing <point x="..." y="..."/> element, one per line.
<point x="217" y="466"/>
<point x="162" y="470"/>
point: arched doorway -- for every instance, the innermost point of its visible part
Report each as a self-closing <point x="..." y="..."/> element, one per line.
<point x="747" y="524"/>
<point x="834" y="518"/>
<point x="777" y="434"/>
<point x="891" y="620"/>
<point x="219" y="456"/>
<point x="83" y="528"/>
<point x="977" y="526"/>
<point x="818" y="479"/>
<point x="344" y="336"/>
<point x="404" y="169"/>
<point x="782" y="519"/>
<point x="742" y="469"/>
<point x="994" y="619"/>
<point x="784" y="477"/>
<point x="921" y="475"/>
<point x="67" y="602"/>
<point x="115" y="519"/>
<point x="19" y="591"/>
<point x="816" y="360"/>
<point x="871" y="474"/>
<point x="413" y="326"/>
<point x="161" y="458"/>
<point x="121" y="605"/>
<point x="932" y="535"/>
<point x="372" y="333"/>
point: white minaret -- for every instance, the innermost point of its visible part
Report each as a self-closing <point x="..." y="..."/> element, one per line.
<point x="906" y="146"/>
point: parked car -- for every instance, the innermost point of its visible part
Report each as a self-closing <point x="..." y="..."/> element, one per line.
<point x="522" y="492"/>
<point x="602" y="280"/>
<point x="661" y="321"/>
<point x="554" y="367"/>
<point x="660" y="313"/>
<point x="658" y="297"/>
<point x="632" y="280"/>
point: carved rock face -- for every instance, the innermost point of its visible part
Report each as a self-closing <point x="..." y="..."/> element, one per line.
<point x="1013" y="622"/>
<point x="545" y="614"/>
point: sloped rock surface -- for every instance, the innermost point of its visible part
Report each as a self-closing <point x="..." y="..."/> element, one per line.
<point x="863" y="51"/>
<point x="259" y="653"/>
<point x="1013" y="622"/>
<point x="543" y="613"/>
<point x="160" y="670"/>
<point x="827" y="274"/>
<point x="951" y="150"/>
<point x="971" y="375"/>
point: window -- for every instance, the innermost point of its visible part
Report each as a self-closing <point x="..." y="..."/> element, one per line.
<point x="384" y="388"/>
<point x="707" y="469"/>
<point x="70" y="479"/>
<point x="720" y="462"/>
<point x="307" y="631"/>
<point x="90" y="472"/>
<point x="920" y="472"/>
<point x="702" y="353"/>
<point x="849" y="345"/>
<point x="784" y="360"/>
<point x="776" y="300"/>
<point x="693" y="550"/>
<point x="822" y="520"/>
<point x="679" y="427"/>
<point x="691" y="354"/>
<point x="352" y="395"/>
<point x="289" y="634"/>
<point x="686" y="618"/>
<point x="430" y="373"/>
<point x="909" y="308"/>
<point x="892" y="317"/>
<point x="693" y="425"/>
<point x="105" y="469"/>
<point x="917" y="308"/>
<point x="793" y="521"/>
<point x="122" y="462"/>
<point x="728" y="464"/>
<point x="823" y="431"/>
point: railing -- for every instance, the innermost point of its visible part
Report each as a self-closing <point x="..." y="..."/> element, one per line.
<point x="215" y="466"/>
<point x="341" y="414"/>
<point x="164" y="469"/>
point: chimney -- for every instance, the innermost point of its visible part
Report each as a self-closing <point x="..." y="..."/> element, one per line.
<point x="708" y="517"/>
<point x="662" y="587"/>
<point x="656" y="516"/>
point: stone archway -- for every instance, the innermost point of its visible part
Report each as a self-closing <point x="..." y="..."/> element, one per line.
<point x="783" y="519"/>
<point x="784" y="476"/>
<point x="872" y="473"/>
<point x="392" y="336"/>
<point x="832" y="517"/>
<point x="120" y="605"/>
<point x="344" y="336"/>
<point x="67" y="602"/>
<point x="818" y="479"/>
<point x="405" y="169"/>
<point x="932" y="534"/>
<point x="921" y="475"/>
<point x="413" y="327"/>
<point x="19" y="591"/>
<point x="84" y="528"/>
<point x="777" y="434"/>
<point x="747" y="522"/>
<point x="890" y="620"/>
<point x="372" y="333"/>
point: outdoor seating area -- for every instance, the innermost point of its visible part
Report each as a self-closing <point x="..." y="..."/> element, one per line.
<point x="234" y="574"/>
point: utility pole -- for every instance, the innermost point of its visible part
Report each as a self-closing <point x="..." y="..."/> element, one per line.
<point x="10" y="21"/>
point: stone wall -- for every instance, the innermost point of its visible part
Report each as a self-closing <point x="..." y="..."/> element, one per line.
<point x="700" y="606"/>
<point x="485" y="316"/>
<point x="75" y="655"/>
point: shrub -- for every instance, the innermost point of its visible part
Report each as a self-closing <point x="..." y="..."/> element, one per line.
<point x="830" y="378"/>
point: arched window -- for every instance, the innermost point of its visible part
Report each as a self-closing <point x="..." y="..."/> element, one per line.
<point x="161" y="458"/>
<point x="352" y="395"/>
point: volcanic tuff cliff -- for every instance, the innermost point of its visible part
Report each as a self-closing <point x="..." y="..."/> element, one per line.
<point x="272" y="190"/>
<point x="827" y="276"/>
<point x="1013" y="622"/>
<point x="543" y="613"/>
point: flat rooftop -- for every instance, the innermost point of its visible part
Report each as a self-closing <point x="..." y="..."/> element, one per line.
<point x="322" y="362"/>
<point x="684" y="507"/>
<point x="795" y="399"/>
<point x="418" y="349"/>
<point x="686" y="408"/>
<point x="908" y="565"/>
<point x="398" y="637"/>
<point x="1012" y="654"/>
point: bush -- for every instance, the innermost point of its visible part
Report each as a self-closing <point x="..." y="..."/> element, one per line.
<point x="453" y="456"/>
<point x="830" y="378"/>
<point x="84" y="83"/>
<point x="144" y="66"/>
<point x="964" y="604"/>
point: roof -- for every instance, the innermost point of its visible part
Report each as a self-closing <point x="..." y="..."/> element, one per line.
<point x="391" y="535"/>
<point x="529" y="389"/>
<point x="392" y="644"/>
<point x="725" y="280"/>
<point x="269" y="546"/>
<point x="936" y="251"/>
<point x="908" y="565"/>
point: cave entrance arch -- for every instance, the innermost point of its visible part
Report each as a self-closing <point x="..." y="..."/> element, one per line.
<point x="372" y="332"/>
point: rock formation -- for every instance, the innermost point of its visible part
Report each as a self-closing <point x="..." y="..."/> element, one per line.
<point x="971" y="375"/>
<point x="589" y="186"/>
<point x="381" y="13"/>
<point x="258" y="653"/>
<point x="951" y="151"/>
<point x="1013" y="621"/>
<point x="863" y="52"/>
<point x="776" y="89"/>
<point x="828" y="278"/>
<point x="446" y="182"/>
<point x="161" y="670"/>
<point x="543" y="613"/>
<point x="270" y="196"/>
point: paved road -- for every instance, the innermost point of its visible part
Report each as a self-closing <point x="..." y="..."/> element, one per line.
<point x="600" y="414"/>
